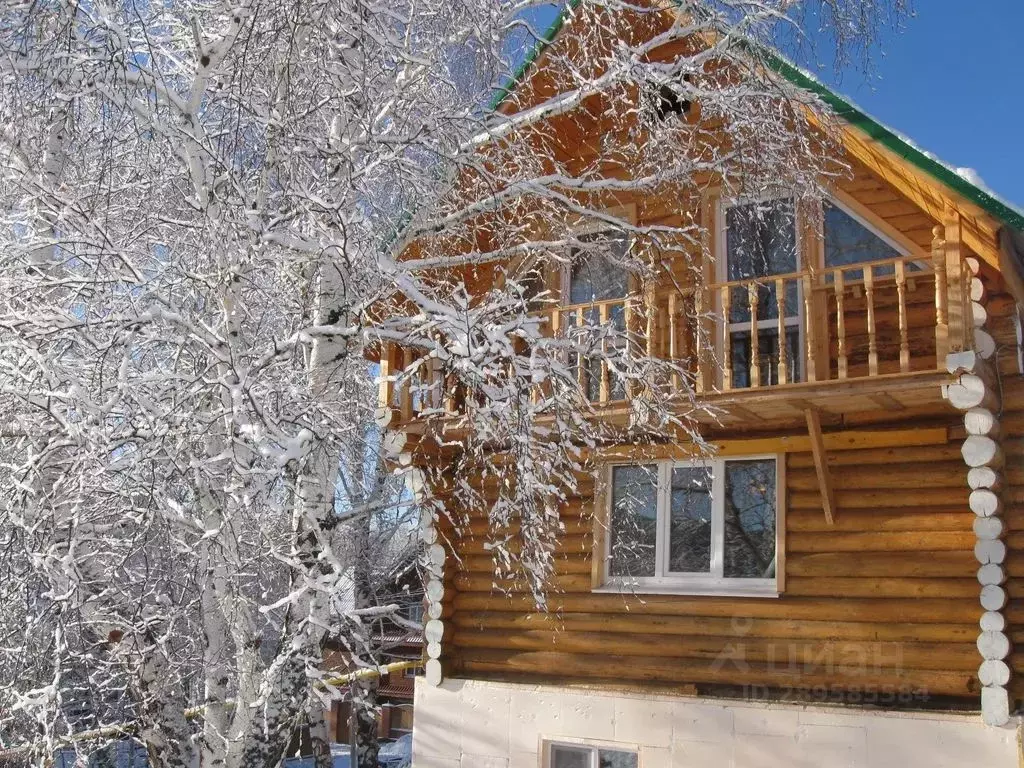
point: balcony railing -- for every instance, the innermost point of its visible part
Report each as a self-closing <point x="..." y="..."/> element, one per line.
<point x="855" y="322"/>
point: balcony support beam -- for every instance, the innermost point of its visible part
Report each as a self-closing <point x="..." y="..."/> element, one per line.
<point x="821" y="464"/>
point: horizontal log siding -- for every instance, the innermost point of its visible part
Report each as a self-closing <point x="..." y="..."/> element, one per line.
<point x="1013" y="510"/>
<point x="885" y="598"/>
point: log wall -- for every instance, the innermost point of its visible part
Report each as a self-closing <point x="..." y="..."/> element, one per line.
<point x="886" y="600"/>
<point x="882" y="603"/>
<point x="882" y="606"/>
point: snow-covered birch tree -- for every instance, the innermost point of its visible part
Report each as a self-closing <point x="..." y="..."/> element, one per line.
<point x="212" y="214"/>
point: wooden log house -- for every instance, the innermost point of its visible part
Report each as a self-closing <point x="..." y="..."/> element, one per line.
<point x="879" y="408"/>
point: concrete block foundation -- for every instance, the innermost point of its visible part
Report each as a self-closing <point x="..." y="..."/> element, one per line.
<point x="478" y="724"/>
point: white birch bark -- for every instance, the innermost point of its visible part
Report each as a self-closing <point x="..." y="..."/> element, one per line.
<point x="206" y="219"/>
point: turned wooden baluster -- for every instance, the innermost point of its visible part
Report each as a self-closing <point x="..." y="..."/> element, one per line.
<point x="780" y="300"/>
<point x="901" y="292"/>
<point x="673" y="340"/>
<point x="535" y="393"/>
<point x="581" y="360"/>
<point x="650" y="309"/>
<point x="869" y="297"/>
<point x="941" y="314"/>
<point x="405" y="394"/>
<point x="661" y="331"/>
<point x="703" y="338"/>
<point x="557" y="329"/>
<point x="839" y="286"/>
<point x="726" y="340"/>
<point x="431" y="398"/>
<point x="444" y="393"/>
<point x="809" y="330"/>
<point x="450" y="399"/>
<point x="628" y="319"/>
<point x="652" y="315"/>
<point x="386" y="387"/>
<point x="755" y="351"/>
<point x="603" y="388"/>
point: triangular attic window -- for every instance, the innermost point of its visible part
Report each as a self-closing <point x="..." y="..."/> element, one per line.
<point x="849" y="241"/>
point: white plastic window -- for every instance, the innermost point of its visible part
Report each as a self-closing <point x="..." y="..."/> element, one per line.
<point x="701" y="526"/>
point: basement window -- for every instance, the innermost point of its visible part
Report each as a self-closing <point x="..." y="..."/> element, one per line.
<point x="590" y="756"/>
<point x="698" y="527"/>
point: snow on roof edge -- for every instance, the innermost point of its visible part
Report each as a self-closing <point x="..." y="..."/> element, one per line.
<point x="959" y="180"/>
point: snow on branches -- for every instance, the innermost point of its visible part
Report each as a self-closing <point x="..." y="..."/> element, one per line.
<point x="212" y="215"/>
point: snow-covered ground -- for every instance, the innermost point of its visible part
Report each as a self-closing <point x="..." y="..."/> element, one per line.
<point x="396" y="754"/>
<point x="340" y="752"/>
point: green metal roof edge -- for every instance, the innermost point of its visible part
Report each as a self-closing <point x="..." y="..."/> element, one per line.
<point x="542" y="43"/>
<point x="842" y="107"/>
<point x="892" y="141"/>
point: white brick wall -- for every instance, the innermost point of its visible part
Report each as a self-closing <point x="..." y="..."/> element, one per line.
<point x="475" y="724"/>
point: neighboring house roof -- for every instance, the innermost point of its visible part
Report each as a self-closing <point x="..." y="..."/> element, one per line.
<point x="391" y="639"/>
<point x="843" y="108"/>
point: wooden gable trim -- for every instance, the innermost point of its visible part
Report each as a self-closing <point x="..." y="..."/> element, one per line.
<point x="981" y="232"/>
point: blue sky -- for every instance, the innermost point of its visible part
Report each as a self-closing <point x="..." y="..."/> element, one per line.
<point x="952" y="80"/>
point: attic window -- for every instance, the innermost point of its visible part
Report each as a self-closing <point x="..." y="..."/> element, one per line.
<point x="669" y="102"/>
<point x="596" y="274"/>
<point x="530" y="284"/>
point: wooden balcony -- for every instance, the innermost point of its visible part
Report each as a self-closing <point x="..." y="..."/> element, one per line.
<point x="863" y="337"/>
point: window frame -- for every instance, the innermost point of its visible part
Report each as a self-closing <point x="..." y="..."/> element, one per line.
<point x="726" y="327"/>
<point x="604" y="224"/>
<point x="594" y="747"/>
<point x="665" y="582"/>
<point x="407" y="611"/>
<point x="595" y="224"/>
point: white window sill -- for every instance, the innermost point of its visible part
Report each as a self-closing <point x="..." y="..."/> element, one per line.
<point x="688" y="590"/>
